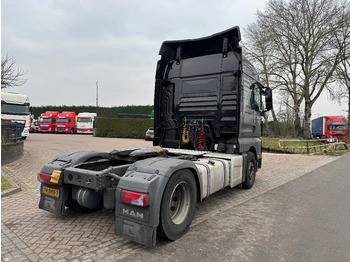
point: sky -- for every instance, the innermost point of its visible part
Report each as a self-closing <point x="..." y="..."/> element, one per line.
<point x="65" y="46"/>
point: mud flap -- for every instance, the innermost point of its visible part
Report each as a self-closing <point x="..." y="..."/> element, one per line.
<point x="139" y="233"/>
<point x="53" y="198"/>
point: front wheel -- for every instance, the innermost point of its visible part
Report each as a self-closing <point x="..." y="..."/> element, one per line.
<point x="178" y="205"/>
<point x="250" y="171"/>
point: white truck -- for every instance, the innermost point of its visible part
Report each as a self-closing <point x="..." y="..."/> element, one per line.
<point x="208" y="108"/>
<point x="85" y="123"/>
<point x="16" y="107"/>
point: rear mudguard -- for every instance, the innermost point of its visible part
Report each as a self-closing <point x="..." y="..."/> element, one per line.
<point x="146" y="176"/>
<point x="56" y="204"/>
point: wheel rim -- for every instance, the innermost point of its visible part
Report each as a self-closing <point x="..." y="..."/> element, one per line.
<point x="251" y="171"/>
<point x="179" y="203"/>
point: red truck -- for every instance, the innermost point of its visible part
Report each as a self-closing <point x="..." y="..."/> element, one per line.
<point x="332" y="128"/>
<point x="47" y="122"/>
<point x="66" y="122"/>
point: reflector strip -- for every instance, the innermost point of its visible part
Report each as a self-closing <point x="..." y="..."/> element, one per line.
<point x="134" y="198"/>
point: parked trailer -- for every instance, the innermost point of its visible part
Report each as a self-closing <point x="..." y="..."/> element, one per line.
<point x="208" y="109"/>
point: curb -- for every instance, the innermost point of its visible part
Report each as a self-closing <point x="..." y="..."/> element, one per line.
<point x="15" y="188"/>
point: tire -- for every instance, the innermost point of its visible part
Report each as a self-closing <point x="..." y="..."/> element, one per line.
<point x="178" y="205"/>
<point x="250" y="171"/>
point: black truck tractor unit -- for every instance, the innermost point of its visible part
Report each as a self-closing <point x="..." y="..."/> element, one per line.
<point x="208" y="109"/>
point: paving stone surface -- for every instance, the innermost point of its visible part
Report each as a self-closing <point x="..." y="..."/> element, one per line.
<point x="31" y="234"/>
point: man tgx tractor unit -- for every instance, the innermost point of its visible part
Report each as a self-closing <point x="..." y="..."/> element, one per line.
<point x="208" y="109"/>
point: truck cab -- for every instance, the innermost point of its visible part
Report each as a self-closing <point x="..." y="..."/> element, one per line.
<point x="65" y="122"/>
<point x="206" y="85"/>
<point x="16" y="108"/>
<point x="86" y="122"/>
<point x="47" y="122"/>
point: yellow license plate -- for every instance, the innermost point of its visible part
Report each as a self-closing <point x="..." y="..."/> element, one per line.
<point x="51" y="191"/>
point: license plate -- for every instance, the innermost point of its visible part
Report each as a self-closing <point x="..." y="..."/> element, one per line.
<point x="51" y="191"/>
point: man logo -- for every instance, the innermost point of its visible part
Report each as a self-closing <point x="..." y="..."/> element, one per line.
<point x="132" y="213"/>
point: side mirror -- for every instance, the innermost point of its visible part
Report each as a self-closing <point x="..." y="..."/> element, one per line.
<point x="258" y="90"/>
<point x="255" y="97"/>
<point x="268" y="99"/>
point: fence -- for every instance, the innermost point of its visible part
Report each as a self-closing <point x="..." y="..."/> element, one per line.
<point x="309" y="146"/>
<point x="11" y="132"/>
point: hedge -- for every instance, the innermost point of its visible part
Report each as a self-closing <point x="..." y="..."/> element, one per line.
<point x="122" y="127"/>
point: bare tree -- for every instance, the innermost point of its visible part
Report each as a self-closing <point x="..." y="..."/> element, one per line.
<point x="10" y="76"/>
<point x="343" y="71"/>
<point x="276" y="58"/>
<point x="305" y="36"/>
<point x="258" y="51"/>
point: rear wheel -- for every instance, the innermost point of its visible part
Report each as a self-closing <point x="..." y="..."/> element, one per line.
<point x="250" y="171"/>
<point x="178" y="205"/>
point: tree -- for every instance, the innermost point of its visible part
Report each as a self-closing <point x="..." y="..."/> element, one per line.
<point x="258" y="51"/>
<point x="10" y="76"/>
<point x="343" y="71"/>
<point x="306" y="38"/>
<point x="277" y="57"/>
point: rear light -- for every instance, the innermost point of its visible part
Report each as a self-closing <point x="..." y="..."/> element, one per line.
<point x="44" y="178"/>
<point x="134" y="198"/>
<point x="47" y="179"/>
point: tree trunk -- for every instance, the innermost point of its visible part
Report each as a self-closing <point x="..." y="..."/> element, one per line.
<point x="297" y="125"/>
<point x="307" y="119"/>
<point x="348" y="127"/>
<point x="297" y="120"/>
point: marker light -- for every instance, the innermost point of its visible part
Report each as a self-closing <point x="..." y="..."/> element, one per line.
<point x="55" y="176"/>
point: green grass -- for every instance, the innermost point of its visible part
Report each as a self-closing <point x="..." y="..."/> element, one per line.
<point x="5" y="184"/>
<point x="272" y="145"/>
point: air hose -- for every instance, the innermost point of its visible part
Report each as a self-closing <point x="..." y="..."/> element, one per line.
<point x="185" y="135"/>
<point x="202" y="143"/>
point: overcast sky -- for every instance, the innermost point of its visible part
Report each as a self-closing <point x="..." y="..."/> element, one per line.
<point x="65" y="46"/>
